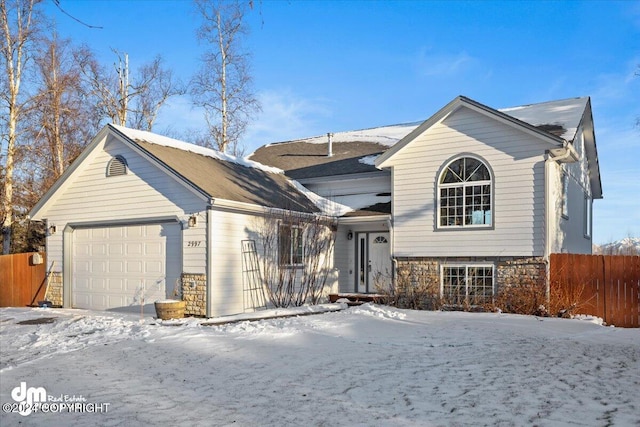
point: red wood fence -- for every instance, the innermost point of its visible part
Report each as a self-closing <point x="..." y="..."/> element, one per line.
<point x="22" y="281"/>
<point x="607" y="286"/>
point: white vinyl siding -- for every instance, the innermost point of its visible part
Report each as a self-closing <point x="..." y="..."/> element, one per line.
<point x="357" y="191"/>
<point x="144" y="193"/>
<point x="370" y="184"/>
<point x="229" y="229"/>
<point x="517" y="161"/>
<point x="569" y="216"/>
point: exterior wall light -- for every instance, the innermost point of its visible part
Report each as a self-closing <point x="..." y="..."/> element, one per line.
<point x="350" y="235"/>
<point x="193" y="220"/>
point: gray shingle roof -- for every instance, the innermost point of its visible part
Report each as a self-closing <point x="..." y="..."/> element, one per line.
<point x="226" y="179"/>
<point x="302" y="160"/>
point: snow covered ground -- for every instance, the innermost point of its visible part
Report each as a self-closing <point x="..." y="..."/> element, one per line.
<point x="363" y="366"/>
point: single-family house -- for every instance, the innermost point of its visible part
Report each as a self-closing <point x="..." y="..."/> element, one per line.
<point x="476" y="197"/>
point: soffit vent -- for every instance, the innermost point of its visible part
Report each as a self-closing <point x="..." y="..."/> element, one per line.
<point x="117" y="166"/>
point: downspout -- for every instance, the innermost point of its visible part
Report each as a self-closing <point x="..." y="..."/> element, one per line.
<point x="547" y="225"/>
<point x="548" y="211"/>
<point x="394" y="261"/>
<point x="209" y="260"/>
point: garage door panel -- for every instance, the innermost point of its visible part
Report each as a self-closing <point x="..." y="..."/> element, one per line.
<point x="135" y="249"/>
<point x="154" y="249"/>
<point x="135" y="266"/>
<point x="98" y="248"/>
<point x="115" y="267"/>
<point x="116" y="249"/>
<point x="151" y="267"/>
<point x="118" y="268"/>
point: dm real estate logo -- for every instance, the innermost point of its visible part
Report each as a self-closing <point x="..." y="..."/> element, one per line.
<point x="35" y="399"/>
<point x="28" y="398"/>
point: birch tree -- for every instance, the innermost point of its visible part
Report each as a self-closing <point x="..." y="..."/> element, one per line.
<point x="117" y="94"/>
<point x="158" y="84"/>
<point x="62" y="122"/>
<point x="222" y="86"/>
<point x="18" y="31"/>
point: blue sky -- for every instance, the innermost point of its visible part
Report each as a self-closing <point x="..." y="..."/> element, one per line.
<point x="337" y="66"/>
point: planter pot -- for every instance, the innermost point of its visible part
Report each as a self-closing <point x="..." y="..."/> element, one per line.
<point x="170" y="309"/>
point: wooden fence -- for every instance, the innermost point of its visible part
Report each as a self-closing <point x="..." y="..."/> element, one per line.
<point x="607" y="286"/>
<point x="22" y="281"/>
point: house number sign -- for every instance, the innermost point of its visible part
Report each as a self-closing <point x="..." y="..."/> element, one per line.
<point x="194" y="243"/>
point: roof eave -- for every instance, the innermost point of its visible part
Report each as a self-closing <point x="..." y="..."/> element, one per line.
<point x="180" y="178"/>
<point x="459" y="102"/>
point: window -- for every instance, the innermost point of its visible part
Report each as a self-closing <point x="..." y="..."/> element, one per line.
<point x="117" y="166"/>
<point x="587" y="216"/>
<point x="380" y="239"/>
<point x="564" y="181"/>
<point x="465" y="194"/>
<point x="290" y="245"/>
<point x="467" y="284"/>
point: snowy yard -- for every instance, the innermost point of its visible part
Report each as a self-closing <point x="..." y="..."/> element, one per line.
<point x="368" y="366"/>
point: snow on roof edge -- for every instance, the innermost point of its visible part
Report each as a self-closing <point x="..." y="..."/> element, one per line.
<point x="154" y="138"/>
<point x="326" y="206"/>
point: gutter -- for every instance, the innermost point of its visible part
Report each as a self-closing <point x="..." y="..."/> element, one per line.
<point x="564" y="154"/>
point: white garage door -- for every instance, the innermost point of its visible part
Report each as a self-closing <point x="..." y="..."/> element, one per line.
<point x="122" y="268"/>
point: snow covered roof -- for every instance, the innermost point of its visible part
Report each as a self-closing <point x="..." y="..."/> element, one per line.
<point x="561" y="118"/>
<point x="222" y="176"/>
<point x="384" y="135"/>
<point x="153" y="138"/>
<point x="356" y="151"/>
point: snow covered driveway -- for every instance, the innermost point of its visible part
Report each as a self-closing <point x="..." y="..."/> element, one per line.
<point x="364" y="366"/>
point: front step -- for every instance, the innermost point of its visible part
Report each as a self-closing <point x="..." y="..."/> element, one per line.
<point x="358" y="299"/>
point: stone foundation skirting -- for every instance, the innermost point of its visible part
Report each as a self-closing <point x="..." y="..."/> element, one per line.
<point x="509" y="271"/>
<point x="194" y="293"/>
<point x="54" y="291"/>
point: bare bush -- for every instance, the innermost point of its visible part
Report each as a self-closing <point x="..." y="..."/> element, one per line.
<point x="566" y="300"/>
<point x="296" y="261"/>
<point x="526" y="297"/>
<point x="415" y="288"/>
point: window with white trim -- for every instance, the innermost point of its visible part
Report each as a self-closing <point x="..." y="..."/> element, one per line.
<point x="117" y="166"/>
<point x="467" y="284"/>
<point x="464" y="194"/>
<point x="290" y="249"/>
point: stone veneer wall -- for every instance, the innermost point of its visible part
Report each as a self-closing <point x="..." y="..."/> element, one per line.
<point x="54" y="291"/>
<point x="510" y="271"/>
<point x="521" y="271"/>
<point x="194" y="293"/>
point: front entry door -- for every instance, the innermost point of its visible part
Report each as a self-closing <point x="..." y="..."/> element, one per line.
<point x="374" y="262"/>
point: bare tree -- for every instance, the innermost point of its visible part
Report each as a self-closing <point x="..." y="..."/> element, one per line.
<point x="62" y="121"/>
<point x="117" y="96"/>
<point x="18" y="30"/>
<point x="156" y="84"/>
<point x="223" y="84"/>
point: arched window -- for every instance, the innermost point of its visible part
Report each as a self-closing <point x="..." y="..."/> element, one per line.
<point x="464" y="194"/>
<point x="117" y="166"/>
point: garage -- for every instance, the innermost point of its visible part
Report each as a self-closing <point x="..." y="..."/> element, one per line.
<point x="121" y="268"/>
